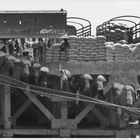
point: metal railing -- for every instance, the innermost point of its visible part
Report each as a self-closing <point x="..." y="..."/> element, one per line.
<point x="136" y="31"/>
<point x="84" y="30"/>
<point x="132" y="32"/>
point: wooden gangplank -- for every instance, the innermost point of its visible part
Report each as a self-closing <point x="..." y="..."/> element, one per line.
<point x="63" y="127"/>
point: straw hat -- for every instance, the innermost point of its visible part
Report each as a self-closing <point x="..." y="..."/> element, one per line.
<point x="102" y="78"/>
<point x="44" y="69"/>
<point x="128" y="87"/>
<point x="66" y="72"/>
<point x="86" y="76"/>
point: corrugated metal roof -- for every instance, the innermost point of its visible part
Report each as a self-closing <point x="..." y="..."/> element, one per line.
<point x="31" y="12"/>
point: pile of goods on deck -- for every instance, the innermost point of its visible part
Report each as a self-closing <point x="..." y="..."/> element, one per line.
<point x="94" y="49"/>
<point x="113" y="31"/>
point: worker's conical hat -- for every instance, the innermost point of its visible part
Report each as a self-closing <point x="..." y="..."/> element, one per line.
<point x="102" y="78"/>
<point x="86" y="76"/>
<point x="128" y="87"/>
<point x="44" y="69"/>
<point x="36" y="65"/>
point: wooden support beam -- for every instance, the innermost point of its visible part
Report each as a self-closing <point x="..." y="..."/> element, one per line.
<point x="113" y="118"/>
<point x="65" y="133"/>
<point x="83" y="113"/>
<point x="97" y="113"/>
<point x="123" y="134"/>
<point x="20" y="110"/>
<point x="40" y="106"/>
<point x="1" y="104"/>
<point x="64" y="110"/>
<point x="60" y="124"/>
<point x="7" y="107"/>
<point x="135" y="132"/>
<point x="35" y="132"/>
<point x="6" y="132"/>
<point x="100" y="116"/>
<point x="75" y="132"/>
<point x="92" y="132"/>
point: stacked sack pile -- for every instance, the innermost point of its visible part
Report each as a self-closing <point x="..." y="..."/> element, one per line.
<point x="85" y="49"/>
<point x="123" y="52"/>
<point x="81" y="48"/>
<point x="127" y="53"/>
<point x="55" y="52"/>
<point x="127" y="50"/>
<point x="62" y="56"/>
<point x="100" y="48"/>
<point x="109" y="51"/>
<point x="136" y="52"/>
<point x="119" y="55"/>
<point x="74" y="48"/>
<point x="92" y="49"/>
<point x="48" y="55"/>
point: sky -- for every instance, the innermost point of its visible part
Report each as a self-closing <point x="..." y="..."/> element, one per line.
<point x="96" y="11"/>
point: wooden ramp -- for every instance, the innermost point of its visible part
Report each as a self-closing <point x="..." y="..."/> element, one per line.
<point x="62" y="126"/>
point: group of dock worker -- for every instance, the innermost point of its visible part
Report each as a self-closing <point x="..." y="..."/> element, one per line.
<point x="123" y="95"/>
<point x="35" y="74"/>
<point x="84" y="85"/>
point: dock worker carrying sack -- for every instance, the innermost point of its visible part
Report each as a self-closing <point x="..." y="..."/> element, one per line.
<point x="64" y="47"/>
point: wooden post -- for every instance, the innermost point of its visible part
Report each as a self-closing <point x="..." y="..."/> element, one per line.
<point x="7" y="107"/>
<point x="1" y="105"/>
<point x="64" y="110"/>
<point x="123" y="134"/>
<point x="64" y="114"/>
<point x="65" y="133"/>
<point x="121" y="121"/>
<point x="7" y="113"/>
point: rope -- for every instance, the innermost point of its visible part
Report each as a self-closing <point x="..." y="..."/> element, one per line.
<point x="89" y="101"/>
<point x="69" y="93"/>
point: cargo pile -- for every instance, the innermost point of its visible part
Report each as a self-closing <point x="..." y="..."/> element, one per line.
<point x="114" y="32"/>
<point x="94" y="49"/>
<point x="136" y="52"/>
<point x="119" y="53"/>
<point x="55" y="52"/>
<point x="48" y="55"/>
<point x="109" y="51"/>
<point x="128" y="54"/>
<point x="74" y="48"/>
<point x="87" y="49"/>
<point x="100" y="45"/>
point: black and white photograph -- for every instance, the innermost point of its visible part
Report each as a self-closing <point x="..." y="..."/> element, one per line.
<point x="69" y="69"/>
